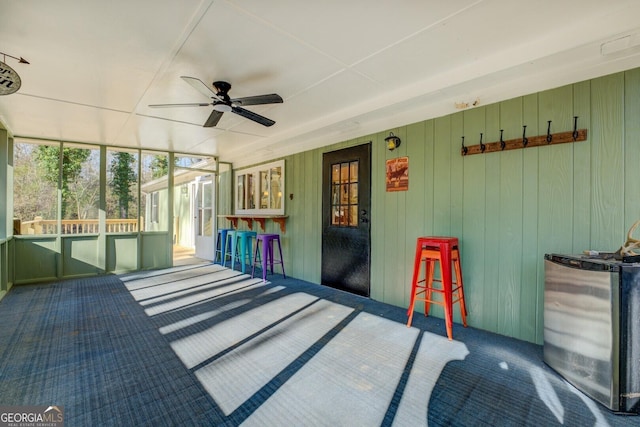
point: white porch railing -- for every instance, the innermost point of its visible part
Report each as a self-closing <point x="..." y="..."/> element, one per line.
<point x="74" y="226"/>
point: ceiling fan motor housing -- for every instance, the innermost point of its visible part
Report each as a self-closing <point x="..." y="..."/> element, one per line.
<point x="222" y="87"/>
<point x="224" y="104"/>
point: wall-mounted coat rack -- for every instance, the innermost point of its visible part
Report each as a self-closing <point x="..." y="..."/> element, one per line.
<point x="525" y="142"/>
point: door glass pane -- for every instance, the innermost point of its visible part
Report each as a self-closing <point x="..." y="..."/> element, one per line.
<point x="344" y="194"/>
<point x="335" y="174"/>
<point x="204" y="207"/>
<point x="353" y="196"/>
<point x="206" y="195"/>
<point x="344" y="172"/>
<point x="199" y="222"/>
<point x="353" y="171"/>
<point x="353" y="215"/>
<point x="207" y="224"/>
<point x="335" y="205"/>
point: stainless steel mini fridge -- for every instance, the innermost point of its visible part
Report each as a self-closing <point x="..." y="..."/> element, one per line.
<point x="592" y="327"/>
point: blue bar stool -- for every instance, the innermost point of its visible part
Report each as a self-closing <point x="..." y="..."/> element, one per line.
<point x="243" y="249"/>
<point x="266" y="242"/>
<point x="221" y="245"/>
<point x="230" y="247"/>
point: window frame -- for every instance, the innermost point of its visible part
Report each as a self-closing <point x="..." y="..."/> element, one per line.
<point x="249" y="189"/>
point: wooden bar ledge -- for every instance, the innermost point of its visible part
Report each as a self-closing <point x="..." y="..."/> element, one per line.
<point x="261" y="219"/>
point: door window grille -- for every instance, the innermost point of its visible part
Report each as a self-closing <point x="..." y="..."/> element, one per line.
<point x="344" y="194"/>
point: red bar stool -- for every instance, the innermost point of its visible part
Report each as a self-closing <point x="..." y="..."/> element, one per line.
<point x="264" y="247"/>
<point x="444" y="250"/>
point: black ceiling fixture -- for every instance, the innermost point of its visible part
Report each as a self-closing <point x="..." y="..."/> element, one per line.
<point x="222" y="103"/>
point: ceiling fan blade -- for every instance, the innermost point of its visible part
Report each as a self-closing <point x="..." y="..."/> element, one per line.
<point x="193" y="104"/>
<point x="253" y="116"/>
<point x="272" y="98"/>
<point x="213" y="119"/>
<point x="201" y="87"/>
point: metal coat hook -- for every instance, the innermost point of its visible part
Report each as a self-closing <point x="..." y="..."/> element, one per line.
<point x="538" y="140"/>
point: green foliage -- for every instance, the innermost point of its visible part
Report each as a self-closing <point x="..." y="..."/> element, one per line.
<point x="160" y="166"/>
<point x="123" y="176"/>
<point x="48" y="159"/>
<point x="33" y="196"/>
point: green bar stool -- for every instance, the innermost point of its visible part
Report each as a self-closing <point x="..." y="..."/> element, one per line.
<point x="230" y="247"/>
<point x="243" y="249"/>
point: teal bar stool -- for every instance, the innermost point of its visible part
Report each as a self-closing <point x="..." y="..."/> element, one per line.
<point x="243" y="249"/>
<point x="222" y="245"/>
<point x="230" y="247"/>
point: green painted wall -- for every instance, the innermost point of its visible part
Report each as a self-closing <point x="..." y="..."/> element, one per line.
<point x="155" y="250"/>
<point x="508" y="209"/>
<point x="37" y="259"/>
<point x="122" y="253"/>
<point x="81" y="256"/>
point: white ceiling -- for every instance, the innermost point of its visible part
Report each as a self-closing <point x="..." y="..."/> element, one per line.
<point x="345" y="68"/>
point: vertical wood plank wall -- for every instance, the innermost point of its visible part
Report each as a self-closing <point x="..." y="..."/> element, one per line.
<point x="508" y="208"/>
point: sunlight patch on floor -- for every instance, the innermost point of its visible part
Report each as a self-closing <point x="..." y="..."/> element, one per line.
<point x="274" y="344"/>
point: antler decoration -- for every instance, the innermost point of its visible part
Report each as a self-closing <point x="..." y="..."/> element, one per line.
<point x="631" y="243"/>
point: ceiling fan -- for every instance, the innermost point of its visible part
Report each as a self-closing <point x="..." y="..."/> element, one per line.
<point x="222" y="103"/>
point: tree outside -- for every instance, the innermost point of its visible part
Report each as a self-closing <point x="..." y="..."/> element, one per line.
<point x="159" y="166"/>
<point x="79" y="191"/>
<point x="36" y="176"/>
<point x="34" y="196"/>
<point x="123" y="179"/>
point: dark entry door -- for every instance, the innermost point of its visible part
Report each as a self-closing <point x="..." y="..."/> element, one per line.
<point x="346" y="202"/>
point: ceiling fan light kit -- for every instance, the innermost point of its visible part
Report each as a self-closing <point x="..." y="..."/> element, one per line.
<point x="223" y="108"/>
<point x="222" y="103"/>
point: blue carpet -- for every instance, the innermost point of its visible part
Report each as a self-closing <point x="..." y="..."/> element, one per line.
<point x="203" y="345"/>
